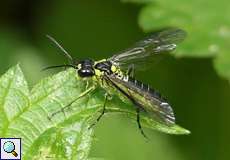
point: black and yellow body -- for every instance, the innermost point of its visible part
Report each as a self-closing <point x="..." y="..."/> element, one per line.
<point x="115" y="74"/>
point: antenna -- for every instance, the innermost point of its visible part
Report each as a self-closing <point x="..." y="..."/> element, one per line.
<point x="66" y="54"/>
<point x="59" y="66"/>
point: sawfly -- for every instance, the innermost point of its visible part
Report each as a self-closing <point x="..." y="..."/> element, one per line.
<point x="117" y="73"/>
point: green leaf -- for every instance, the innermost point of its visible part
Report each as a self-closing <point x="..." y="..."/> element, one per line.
<point x="222" y="64"/>
<point x="207" y="32"/>
<point x="53" y="119"/>
<point x="14" y="94"/>
<point x="71" y="141"/>
<point x="59" y="137"/>
<point x="206" y="23"/>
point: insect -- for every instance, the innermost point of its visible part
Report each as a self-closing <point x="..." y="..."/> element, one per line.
<point x="117" y="72"/>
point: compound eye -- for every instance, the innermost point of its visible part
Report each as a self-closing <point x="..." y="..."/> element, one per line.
<point x="86" y="72"/>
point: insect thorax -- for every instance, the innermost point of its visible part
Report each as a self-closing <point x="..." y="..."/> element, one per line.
<point x="89" y="69"/>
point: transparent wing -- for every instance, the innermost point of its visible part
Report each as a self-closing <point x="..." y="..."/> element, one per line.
<point x="159" y="42"/>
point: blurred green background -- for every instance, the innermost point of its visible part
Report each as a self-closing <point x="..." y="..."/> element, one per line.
<point x="98" y="29"/>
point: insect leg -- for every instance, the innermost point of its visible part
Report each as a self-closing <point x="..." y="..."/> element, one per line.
<point x="130" y="71"/>
<point x="69" y="105"/>
<point x="138" y="122"/>
<point x="103" y="111"/>
<point x="134" y="102"/>
<point x="87" y="84"/>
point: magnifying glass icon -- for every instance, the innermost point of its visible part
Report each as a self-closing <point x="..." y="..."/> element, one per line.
<point x="9" y="147"/>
